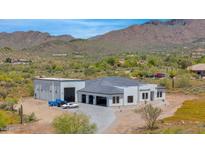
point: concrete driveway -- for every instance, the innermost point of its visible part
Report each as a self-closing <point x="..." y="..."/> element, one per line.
<point x="103" y="117"/>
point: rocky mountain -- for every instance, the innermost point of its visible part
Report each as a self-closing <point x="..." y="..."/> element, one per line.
<point x="20" y="40"/>
<point x="154" y="35"/>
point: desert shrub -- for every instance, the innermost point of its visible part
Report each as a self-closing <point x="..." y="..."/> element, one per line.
<point x="184" y="63"/>
<point x="3" y="93"/>
<point x="201" y="60"/>
<point x="10" y="102"/>
<point x="152" y="62"/>
<point x="130" y="62"/>
<point x="89" y="71"/>
<point x="150" y="114"/>
<point x="111" y="61"/>
<point x="183" y="82"/>
<point x="73" y="124"/>
<point x="3" y="122"/>
<point x="8" y="60"/>
<point x="165" y="83"/>
<point x="30" y="118"/>
<point x="30" y="88"/>
<point x="135" y="73"/>
<point x="8" y="117"/>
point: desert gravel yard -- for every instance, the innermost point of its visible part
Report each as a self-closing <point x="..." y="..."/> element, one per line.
<point x="127" y="120"/>
<point x="107" y="119"/>
<point x="102" y="116"/>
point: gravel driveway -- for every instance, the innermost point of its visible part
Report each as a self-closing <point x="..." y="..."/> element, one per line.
<point x="103" y="117"/>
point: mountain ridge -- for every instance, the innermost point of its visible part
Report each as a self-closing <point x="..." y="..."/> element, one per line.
<point x="151" y="36"/>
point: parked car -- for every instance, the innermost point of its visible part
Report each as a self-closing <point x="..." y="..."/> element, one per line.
<point x="159" y="75"/>
<point x="70" y="105"/>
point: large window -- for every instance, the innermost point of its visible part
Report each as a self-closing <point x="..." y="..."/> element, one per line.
<point x="159" y="94"/>
<point x="130" y="99"/>
<point x="144" y="95"/>
<point x="115" y="99"/>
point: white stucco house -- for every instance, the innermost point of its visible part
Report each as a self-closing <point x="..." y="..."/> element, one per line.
<point x="108" y="91"/>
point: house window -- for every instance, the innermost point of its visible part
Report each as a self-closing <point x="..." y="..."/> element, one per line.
<point x="116" y="100"/>
<point x="130" y="99"/>
<point x="159" y="94"/>
<point x="113" y="100"/>
<point x="144" y="95"/>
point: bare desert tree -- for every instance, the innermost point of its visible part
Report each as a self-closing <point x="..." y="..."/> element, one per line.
<point x="150" y="114"/>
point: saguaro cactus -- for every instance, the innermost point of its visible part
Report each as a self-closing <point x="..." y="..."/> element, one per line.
<point x="21" y="114"/>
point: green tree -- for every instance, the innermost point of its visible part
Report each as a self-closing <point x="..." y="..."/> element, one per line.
<point x="111" y="61"/>
<point x="184" y="63"/>
<point x="73" y="124"/>
<point x="8" y="60"/>
<point x="152" y="62"/>
<point x="172" y="75"/>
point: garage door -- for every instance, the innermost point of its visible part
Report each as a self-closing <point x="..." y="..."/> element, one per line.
<point x="101" y="101"/>
<point x="69" y="94"/>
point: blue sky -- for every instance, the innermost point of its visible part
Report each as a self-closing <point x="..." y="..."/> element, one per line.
<point x="79" y="28"/>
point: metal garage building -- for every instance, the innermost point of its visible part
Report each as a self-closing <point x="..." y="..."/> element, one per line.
<point x="57" y="88"/>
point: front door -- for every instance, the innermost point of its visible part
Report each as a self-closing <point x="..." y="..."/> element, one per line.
<point x="91" y="99"/>
<point x="152" y="95"/>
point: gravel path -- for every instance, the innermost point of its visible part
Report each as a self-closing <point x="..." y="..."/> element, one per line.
<point x="103" y="117"/>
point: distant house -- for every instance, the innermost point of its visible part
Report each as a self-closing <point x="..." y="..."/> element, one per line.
<point x="108" y="91"/>
<point x="198" y="68"/>
<point x="198" y="53"/>
<point x="59" y="54"/>
<point x="21" y="61"/>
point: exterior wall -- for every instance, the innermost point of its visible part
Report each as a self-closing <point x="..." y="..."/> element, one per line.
<point x="130" y="91"/>
<point x="163" y="95"/>
<point x="148" y="88"/>
<point x="46" y="89"/>
<point x="54" y="89"/>
<point x="109" y="98"/>
<point x="69" y="84"/>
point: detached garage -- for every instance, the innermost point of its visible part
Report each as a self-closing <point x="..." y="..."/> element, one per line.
<point x="57" y="88"/>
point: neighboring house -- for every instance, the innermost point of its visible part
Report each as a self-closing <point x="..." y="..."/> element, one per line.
<point x="198" y="68"/>
<point x="108" y="91"/>
<point x="21" y="61"/>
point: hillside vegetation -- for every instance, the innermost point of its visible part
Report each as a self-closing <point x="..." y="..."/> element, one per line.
<point x="16" y="80"/>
